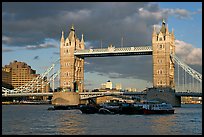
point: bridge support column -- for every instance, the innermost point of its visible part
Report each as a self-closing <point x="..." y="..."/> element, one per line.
<point x="65" y="99"/>
<point x="164" y="95"/>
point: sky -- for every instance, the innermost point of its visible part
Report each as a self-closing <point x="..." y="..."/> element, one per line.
<point x="31" y="33"/>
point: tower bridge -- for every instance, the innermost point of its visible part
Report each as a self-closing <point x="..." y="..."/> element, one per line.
<point x="73" y="54"/>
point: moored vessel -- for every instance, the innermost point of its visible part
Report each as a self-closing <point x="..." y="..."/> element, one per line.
<point x="147" y="107"/>
<point x="157" y="108"/>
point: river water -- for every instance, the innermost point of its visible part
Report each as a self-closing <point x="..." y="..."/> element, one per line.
<point x="37" y="120"/>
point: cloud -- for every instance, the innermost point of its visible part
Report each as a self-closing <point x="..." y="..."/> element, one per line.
<point x="188" y="53"/>
<point x="164" y="13"/>
<point x="6" y="39"/>
<point x="77" y="15"/>
<point x="48" y="43"/>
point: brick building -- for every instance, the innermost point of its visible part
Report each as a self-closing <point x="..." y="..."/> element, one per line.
<point x="17" y="74"/>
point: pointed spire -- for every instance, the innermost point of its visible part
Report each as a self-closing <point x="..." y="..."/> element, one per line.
<point x="163" y="28"/>
<point x="163" y="21"/>
<point x="62" y="38"/>
<point x="62" y="34"/>
<point x="167" y="30"/>
<point x="154" y="29"/>
<point x="72" y="34"/>
<point x="82" y="38"/>
<point x="72" y="28"/>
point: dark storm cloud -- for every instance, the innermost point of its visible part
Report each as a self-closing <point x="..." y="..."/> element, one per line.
<point x="35" y="21"/>
<point x="122" y="67"/>
<point x="28" y="22"/>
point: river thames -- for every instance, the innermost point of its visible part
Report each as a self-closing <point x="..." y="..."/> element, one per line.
<point x="37" y="120"/>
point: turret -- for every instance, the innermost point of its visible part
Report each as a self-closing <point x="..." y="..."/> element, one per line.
<point x="167" y="30"/>
<point x="154" y="30"/>
<point x="62" y="39"/>
<point x="82" y="38"/>
<point x="82" y="41"/>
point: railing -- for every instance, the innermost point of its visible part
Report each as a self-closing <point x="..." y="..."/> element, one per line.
<point x="114" y="51"/>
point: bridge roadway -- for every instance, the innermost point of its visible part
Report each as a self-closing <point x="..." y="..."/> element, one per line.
<point x="112" y="51"/>
<point x="26" y="94"/>
<point x="86" y="95"/>
<point x="192" y="94"/>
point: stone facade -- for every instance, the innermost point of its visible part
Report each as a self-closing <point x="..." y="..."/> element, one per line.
<point x="163" y="44"/>
<point x="71" y="67"/>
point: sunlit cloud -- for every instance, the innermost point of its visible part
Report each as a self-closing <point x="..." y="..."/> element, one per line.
<point x="188" y="53"/>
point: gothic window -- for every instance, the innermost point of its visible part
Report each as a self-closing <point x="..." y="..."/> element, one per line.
<point x="160" y="39"/>
<point x="67" y="44"/>
<point x="160" y="71"/>
<point x="161" y="82"/>
<point x="161" y="46"/>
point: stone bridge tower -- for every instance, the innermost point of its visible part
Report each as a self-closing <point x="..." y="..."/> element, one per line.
<point x="163" y="44"/>
<point x="71" y="67"/>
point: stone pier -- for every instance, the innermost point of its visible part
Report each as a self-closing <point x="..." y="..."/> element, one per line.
<point x="164" y="95"/>
<point x="65" y="99"/>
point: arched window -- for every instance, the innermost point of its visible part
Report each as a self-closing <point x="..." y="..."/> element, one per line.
<point x="160" y="39"/>
<point x="161" y="46"/>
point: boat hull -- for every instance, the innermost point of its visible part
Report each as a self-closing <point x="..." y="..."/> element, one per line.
<point x="146" y="111"/>
<point x="88" y="109"/>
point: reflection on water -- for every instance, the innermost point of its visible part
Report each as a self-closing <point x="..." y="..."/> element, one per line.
<point x="71" y="123"/>
<point x="37" y="120"/>
<point x="162" y="124"/>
